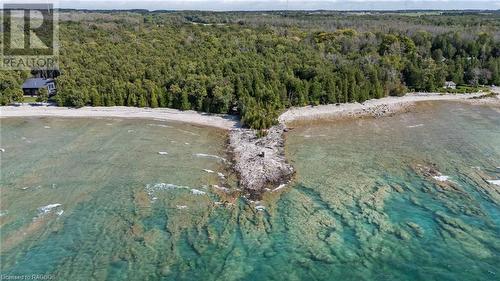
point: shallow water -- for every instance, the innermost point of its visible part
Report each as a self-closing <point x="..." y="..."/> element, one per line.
<point x="370" y="201"/>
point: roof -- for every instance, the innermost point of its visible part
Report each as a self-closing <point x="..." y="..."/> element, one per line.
<point x="36" y="83"/>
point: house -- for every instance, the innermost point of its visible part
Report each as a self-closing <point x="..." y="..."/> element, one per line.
<point x="450" y="85"/>
<point x="32" y="86"/>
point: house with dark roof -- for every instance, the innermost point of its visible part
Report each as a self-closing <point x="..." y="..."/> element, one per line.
<point x="32" y="86"/>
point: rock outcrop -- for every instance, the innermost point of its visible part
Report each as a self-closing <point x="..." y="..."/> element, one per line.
<point x="260" y="162"/>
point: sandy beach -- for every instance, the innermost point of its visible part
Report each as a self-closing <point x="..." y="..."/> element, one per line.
<point x="374" y="107"/>
<point x="226" y="122"/>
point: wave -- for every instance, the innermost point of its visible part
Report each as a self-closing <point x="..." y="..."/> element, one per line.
<point x="260" y="208"/>
<point x="281" y="186"/>
<point x="164" y="186"/>
<point x="197" y="192"/>
<point x="204" y="155"/>
<point x="224" y="189"/>
<point x="415" y="126"/>
<point x="163" y="153"/>
<point x="495" y="182"/>
<point x="159" y="125"/>
<point x="44" y="210"/>
<point x="188" y="132"/>
<point x="441" y="178"/>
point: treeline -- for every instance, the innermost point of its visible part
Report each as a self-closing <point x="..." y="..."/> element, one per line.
<point x="151" y="60"/>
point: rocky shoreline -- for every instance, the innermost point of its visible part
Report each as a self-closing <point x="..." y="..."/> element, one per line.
<point x="375" y="107"/>
<point x="260" y="162"/>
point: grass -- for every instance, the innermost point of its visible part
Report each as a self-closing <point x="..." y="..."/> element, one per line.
<point x="29" y="99"/>
<point x="462" y="89"/>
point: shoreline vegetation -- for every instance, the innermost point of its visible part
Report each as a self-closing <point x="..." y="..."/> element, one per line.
<point x="259" y="65"/>
<point x="228" y="122"/>
<point x="260" y="162"/>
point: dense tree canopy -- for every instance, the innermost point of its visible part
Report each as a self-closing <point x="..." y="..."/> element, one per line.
<point x="238" y="65"/>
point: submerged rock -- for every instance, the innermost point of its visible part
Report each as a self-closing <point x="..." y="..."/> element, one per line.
<point x="260" y="162"/>
<point x="419" y="231"/>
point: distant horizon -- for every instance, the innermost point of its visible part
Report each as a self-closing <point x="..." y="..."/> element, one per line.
<point x="255" y="11"/>
<point x="276" y="5"/>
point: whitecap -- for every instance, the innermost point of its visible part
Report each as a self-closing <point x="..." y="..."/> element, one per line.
<point x="59" y="213"/>
<point x="416" y="126"/>
<point x="260" y="208"/>
<point x="28" y="187"/>
<point x="152" y="188"/>
<point x="203" y="155"/>
<point x="314" y="136"/>
<point x="495" y="182"/>
<point x="441" y="178"/>
<point x="46" y="127"/>
<point x="47" y="209"/>
<point x="208" y="171"/>
<point x="221" y="175"/>
<point x="220" y="188"/>
<point x="181" y="207"/>
<point x="165" y="186"/>
<point x="187" y="143"/>
<point x="130" y="131"/>
<point x="2" y="150"/>
<point x="281" y="186"/>
<point x="3" y="213"/>
<point x="197" y="192"/>
<point x="109" y="124"/>
<point x="163" y="153"/>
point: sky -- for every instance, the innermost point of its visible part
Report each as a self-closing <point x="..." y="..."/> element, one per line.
<point x="253" y="5"/>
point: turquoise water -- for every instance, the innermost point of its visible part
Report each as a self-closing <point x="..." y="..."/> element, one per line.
<point x="397" y="198"/>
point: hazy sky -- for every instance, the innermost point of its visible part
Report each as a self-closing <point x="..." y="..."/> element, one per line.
<point x="224" y="5"/>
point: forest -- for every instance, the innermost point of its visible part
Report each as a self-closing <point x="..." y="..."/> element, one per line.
<point x="257" y="64"/>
